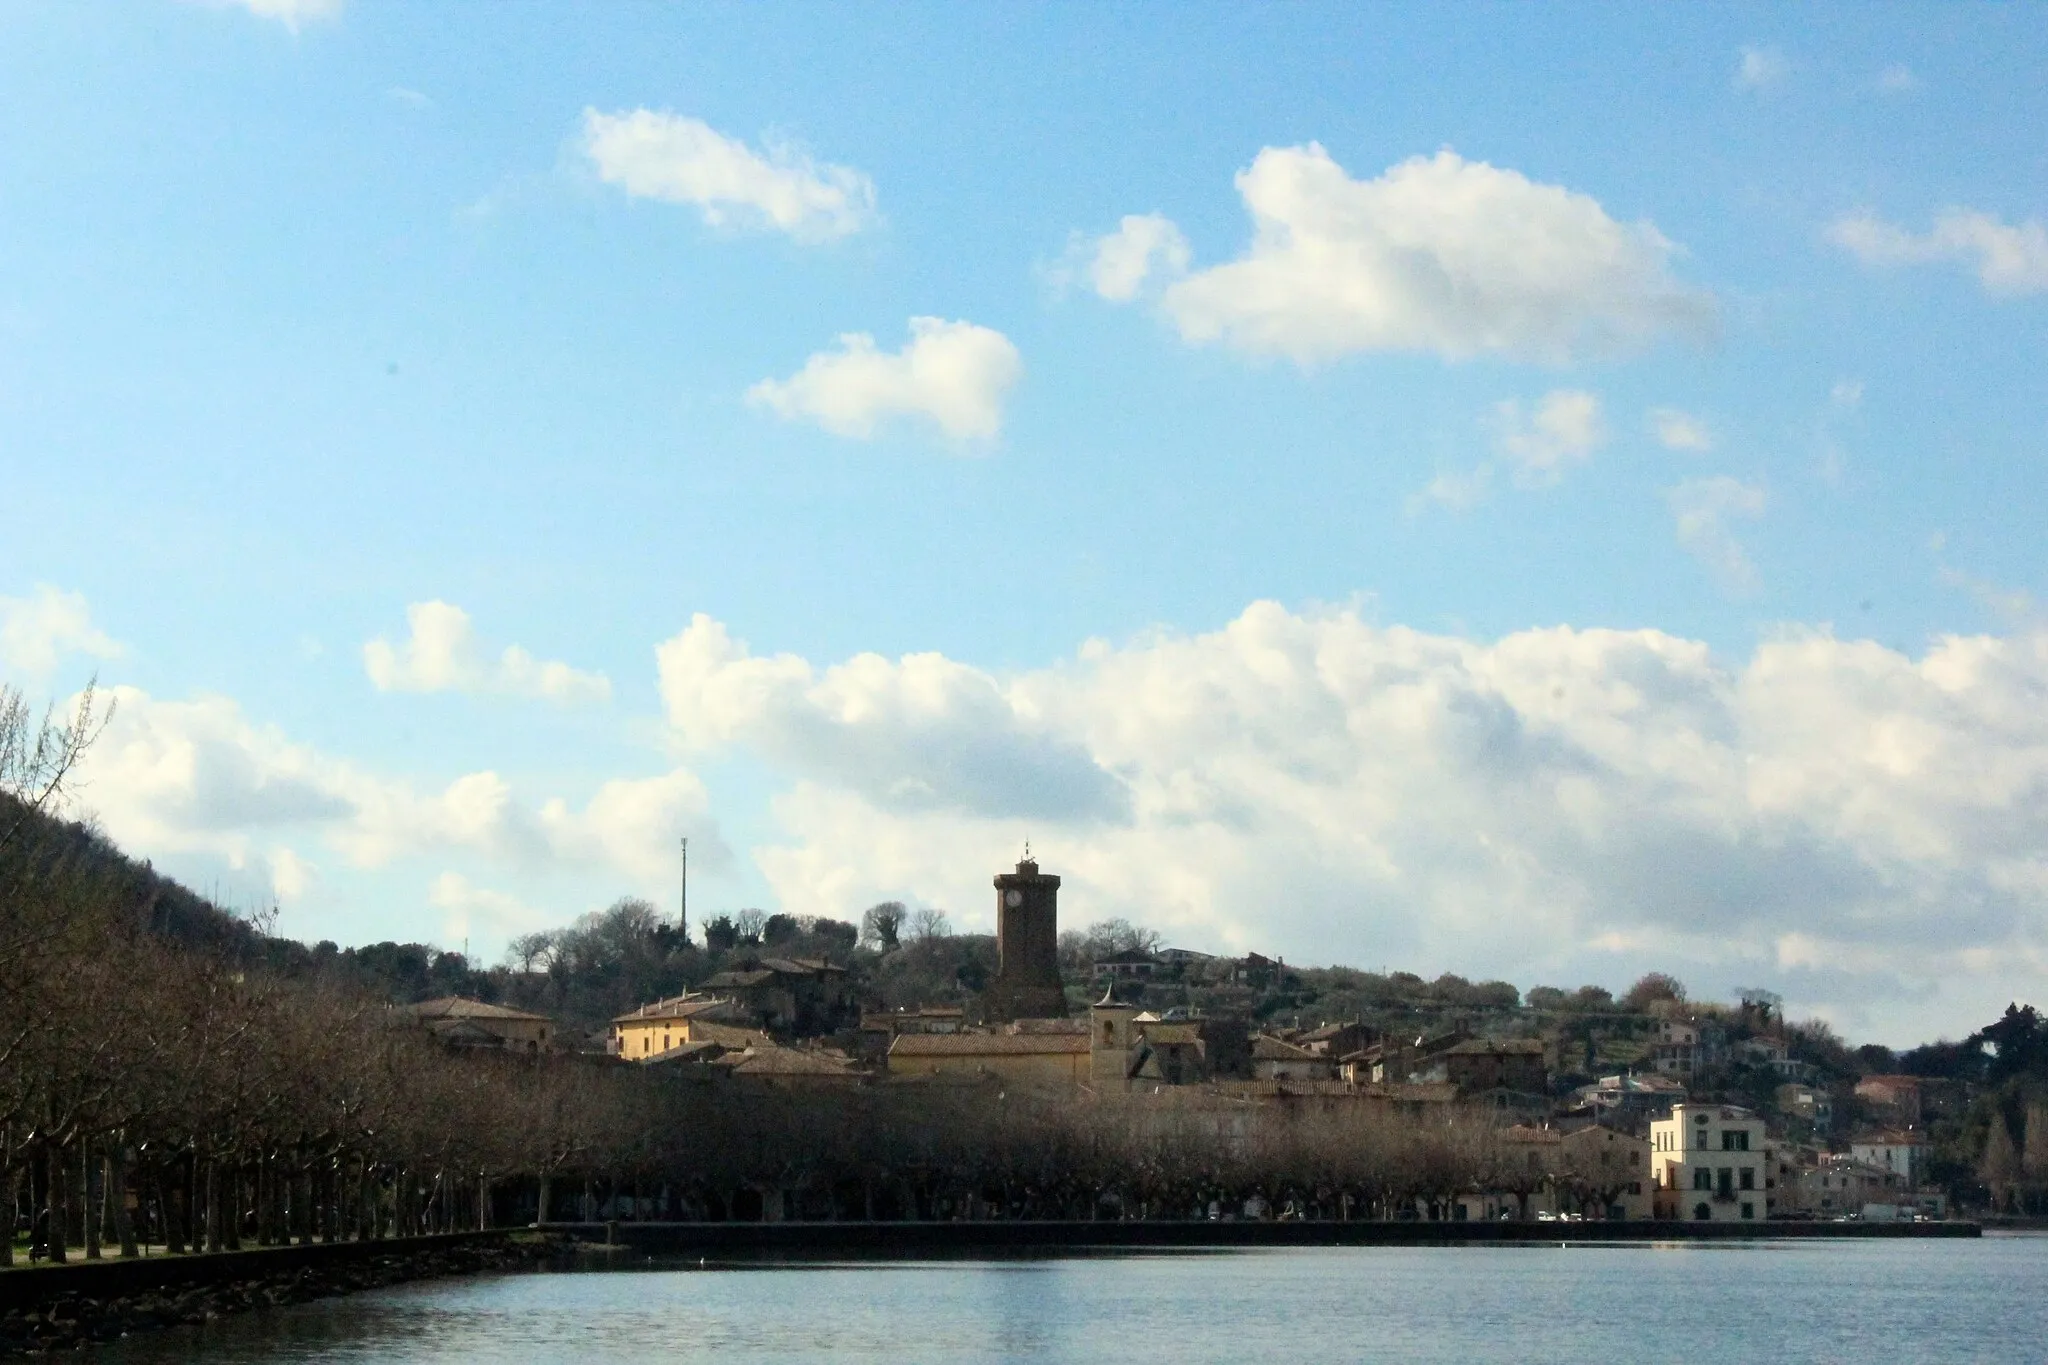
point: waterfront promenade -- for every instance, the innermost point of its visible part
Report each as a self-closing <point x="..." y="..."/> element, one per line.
<point x="804" y="1239"/>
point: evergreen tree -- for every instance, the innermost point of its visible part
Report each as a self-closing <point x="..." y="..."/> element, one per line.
<point x="1999" y="1167"/>
<point x="2034" y="1161"/>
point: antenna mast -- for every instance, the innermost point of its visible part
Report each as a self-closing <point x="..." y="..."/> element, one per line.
<point x="683" y="902"/>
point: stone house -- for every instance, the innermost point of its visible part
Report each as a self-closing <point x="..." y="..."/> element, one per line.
<point x="464" y="1023"/>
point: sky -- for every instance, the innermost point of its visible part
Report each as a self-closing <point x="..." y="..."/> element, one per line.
<point x="1546" y="494"/>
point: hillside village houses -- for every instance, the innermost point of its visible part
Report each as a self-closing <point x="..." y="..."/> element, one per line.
<point x="473" y="1024"/>
<point x="1632" y="1145"/>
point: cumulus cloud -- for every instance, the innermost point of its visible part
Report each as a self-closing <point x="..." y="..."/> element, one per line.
<point x="441" y="654"/>
<point x="2009" y="258"/>
<point x="1898" y="79"/>
<point x="913" y="733"/>
<point x="1438" y="254"/>
<point x="654" y="154"/>
<point x="1702" y="510"/>
<point x="1119" y="264"/>
<point x="472" y="911"/>
<point x="1759" y="67"/>
<point x="1453" y="490"/>
<point x="1678" y="430"/>
<point x="955" y="375"/>
<point x="1843" y="821"/>
<point x="1564" y="428"/>
<point x="199" y="776"/>
<point x="39" y="631"/>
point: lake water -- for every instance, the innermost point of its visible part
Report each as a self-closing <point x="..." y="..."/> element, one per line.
<point x="1893" y="1300"/>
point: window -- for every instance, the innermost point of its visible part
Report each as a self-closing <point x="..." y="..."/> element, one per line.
<point x="1749" y="1210"/>
<point x="1727" y="1186"/>
<point x="1702" y="1212"/>
<point x="1703" y="1179"/>
<point x="1748" y="1178"/>
<point x="1735" y="1140"/>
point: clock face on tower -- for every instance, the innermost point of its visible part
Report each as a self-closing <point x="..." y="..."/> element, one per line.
<point x="1013" y="899"/>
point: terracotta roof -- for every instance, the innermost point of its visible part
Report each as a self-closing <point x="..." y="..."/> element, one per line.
<point x="790" y="1061"/>
<point x="460" y="1007"/>
<point x="733" y="1038"/>
<point x="739" y="980"/>
<point x="987" y="1044"/>
<point x="685" y="1006"/>
<point x="1050" y="1026"/>
<point x="1266" y="1048"/>
<point x="1529" y="1133"/>
<point x="463" y="1031"/>
<point x="703" y="1051"/>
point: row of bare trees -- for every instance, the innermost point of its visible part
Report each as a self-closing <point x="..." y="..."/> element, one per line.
<point x="161" y="1093"/>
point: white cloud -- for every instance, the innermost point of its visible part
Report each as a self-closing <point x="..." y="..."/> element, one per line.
<point x="39" y="631"/>
<point x="1453" y="491"/>
<point x="953" y="374"/>
<point x="1678" y="430"/>
<point x="1438" y="254"/>
<point x="1564" y="428"/>
<point x="1846" y="394"/>
<point x="1552" y="805"/>
<point x="290" y="13"/>
<point x="1119" y="264"/>
<point x="920" y="731"/>
<point x="1702" y="509"/>
<point x="477" y="912"/>
<point x="405" y="95"/>
<point x="200" y="777"/>
<point x="1760" y="67"/>
<point x="441" y="654"/>
<point x="2008" y="258"/>
<point x="1898" y="79"/>
<point x="291" y="876"/>
<point x="658" y="155"/>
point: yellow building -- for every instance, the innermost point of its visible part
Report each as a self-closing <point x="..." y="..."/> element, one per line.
<point x="1025" y="1058"/>
<point x="653" y="1029"/>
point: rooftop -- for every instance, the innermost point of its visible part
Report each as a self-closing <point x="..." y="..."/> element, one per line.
<point x="461" y="1007"/>
<point x="685" y="1006"/>
<point x="987" y="1044"/>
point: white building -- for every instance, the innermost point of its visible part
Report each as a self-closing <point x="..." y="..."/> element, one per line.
<point x="1708" y="1164"/>
<point x="1904" y="1154"/>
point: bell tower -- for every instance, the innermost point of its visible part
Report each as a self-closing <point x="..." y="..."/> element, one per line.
<point x="1027" y="984"/>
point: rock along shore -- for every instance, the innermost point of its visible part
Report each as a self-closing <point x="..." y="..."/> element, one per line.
<point x="70" y="1307"/>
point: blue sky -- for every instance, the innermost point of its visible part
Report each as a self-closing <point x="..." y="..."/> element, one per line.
<point x="1632" y="423"/>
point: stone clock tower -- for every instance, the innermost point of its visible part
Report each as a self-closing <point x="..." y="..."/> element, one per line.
<point x="1027" y="984"/>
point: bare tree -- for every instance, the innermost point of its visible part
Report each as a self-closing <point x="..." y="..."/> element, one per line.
<point x="1110" y="936"/>
<point x="531" y="951"/>
<point x="37" y="758"/>
<point x="929" y="922"/>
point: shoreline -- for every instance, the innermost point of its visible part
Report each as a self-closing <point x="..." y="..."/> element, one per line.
<point x="798" y="1239"/>
<point x="45" y="1308"/>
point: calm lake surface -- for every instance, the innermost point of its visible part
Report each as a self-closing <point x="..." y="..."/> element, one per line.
<point x="1906" y="1301"/>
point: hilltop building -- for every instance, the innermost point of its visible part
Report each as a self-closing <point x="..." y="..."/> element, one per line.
<point x="465" y="1023"/>
<point x="1027" y="983"/>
